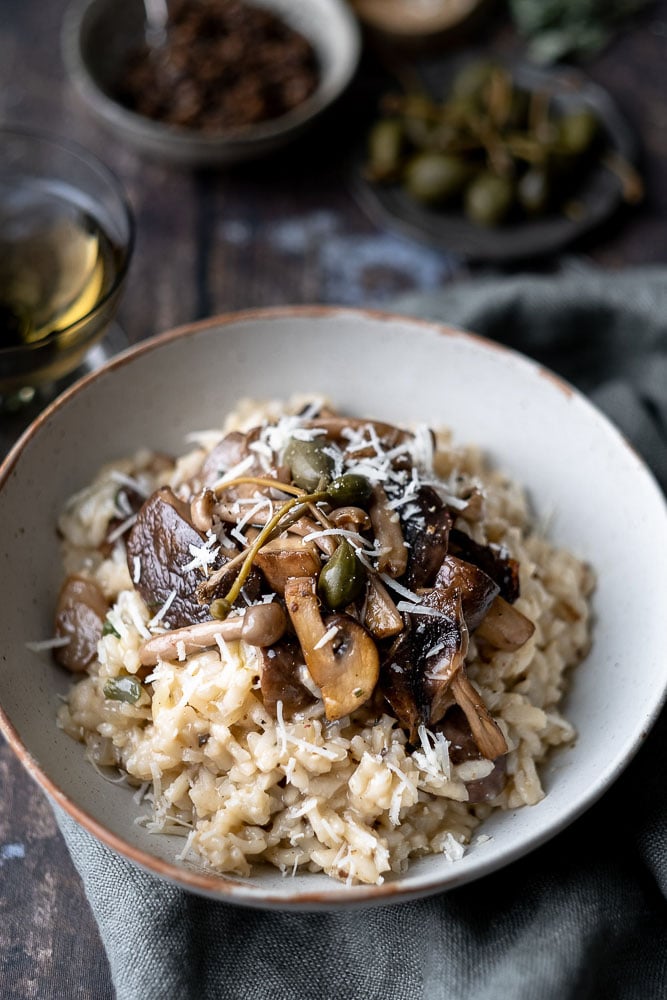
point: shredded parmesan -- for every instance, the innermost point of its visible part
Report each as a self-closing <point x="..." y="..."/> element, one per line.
<point x="119" y="531"/>
<point x="56" y="643"/>
<point x="157" y="618"/>
<point x="419" y="609"/>
<point x="400" y="589"/>
<point x="327" y="637"/>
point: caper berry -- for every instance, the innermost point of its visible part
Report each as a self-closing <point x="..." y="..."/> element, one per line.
<point x="127" y="689"/>
<point x="309" y="463"/>
<point x="435" y="178"/>
<point x="220" y="608"/>
<point x="533" y="191"/>
<point x="385" y="145"/>
<point x="577" y="131"/>
<point x="342" y="578"/>
<point x="488" y="199"/>
<point x="350" y="490"/>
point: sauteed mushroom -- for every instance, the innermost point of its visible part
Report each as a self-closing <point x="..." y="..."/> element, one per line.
<point x="340" y="655"/>
<point x="259" y="625"/>
<point x="80" y="614"/>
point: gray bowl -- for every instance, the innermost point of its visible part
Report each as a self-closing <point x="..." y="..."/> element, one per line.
<point x="98" y="34"/>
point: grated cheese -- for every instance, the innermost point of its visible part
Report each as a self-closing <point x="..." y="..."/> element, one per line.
<point x="157" y="618"/>
<point x="435" y="757"/>
<point x="416" y="609"/>
<point x="203" y="556"/>
<point x="327" y="637"/>
<point x="58" y="642"/>
<point x="119" y="531"/>
<point x="400" y="589"/>
<point x="133" y="484"/>
<point x="235" y="471"/>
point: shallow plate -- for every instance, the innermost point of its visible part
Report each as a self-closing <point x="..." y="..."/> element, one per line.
<point x="580" y="473"/>
<point x="600" y="193"/>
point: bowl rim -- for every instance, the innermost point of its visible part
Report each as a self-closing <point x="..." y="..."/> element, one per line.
<point x="229" y="889"/>
<point x="177" y="137"/>
<point x="89" y="160"/>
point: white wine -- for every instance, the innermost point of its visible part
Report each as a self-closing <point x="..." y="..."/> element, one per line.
<point x="56" y="261"/>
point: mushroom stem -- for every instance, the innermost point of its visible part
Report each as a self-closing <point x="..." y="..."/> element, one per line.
<point x="201" y="510"/>
<point x="260" y="625"/>
<point x="389" y="535"/>
<point x="504" y="626"/>
<point x="382" y="617"/>
<point x="488" y="737"/>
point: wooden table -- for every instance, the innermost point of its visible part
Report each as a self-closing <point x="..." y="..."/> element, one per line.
<point x="283" y="231"/>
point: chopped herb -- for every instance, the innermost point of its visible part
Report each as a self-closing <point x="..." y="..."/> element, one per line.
<point x="108" y="629"/>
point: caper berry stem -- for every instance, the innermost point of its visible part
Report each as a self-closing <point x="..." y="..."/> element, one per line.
<point x="222" y="607"/>
<point x="259" y="481"/>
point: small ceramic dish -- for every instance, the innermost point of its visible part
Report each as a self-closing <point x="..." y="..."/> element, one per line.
<point x="405" y="22"/>
<point x="581" y="476"/>
<point x="98" y="35"/>
<point x="598" y="196"/>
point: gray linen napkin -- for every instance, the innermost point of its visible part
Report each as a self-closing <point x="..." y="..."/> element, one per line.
<point x="584" y="916"/>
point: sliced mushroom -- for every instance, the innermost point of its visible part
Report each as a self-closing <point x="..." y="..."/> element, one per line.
<point x="350" y="519"/>
<point x="260" y="625"/>
<point x="280" y="681"/>
<point x="286" y="557"/>
<point x="504" y="626"/>
<point x="424" y="659"/>
<point x="80" y="614"/>
<point x="201" y="510"/>
<point x="226" y="454"/>
<point x="340" y="655"/>
<point x="396" y="684"/>
<point x="500" y="567"/>
<point x="426" y="533"/>
<point x="382" y="618"/>
<point x="474" y="508"/>
<point x="336" y="427"/>
<point x="161" y="538"/>
<point x="430" y="656"/>
<point x="462" y="748"/>
<point x="488" y="788"/>
<point x="393" y="558"/>
<point x="477" y="590"/>
<point x="488" y="736"/>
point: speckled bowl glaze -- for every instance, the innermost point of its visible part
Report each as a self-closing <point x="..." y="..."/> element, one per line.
<point x="582" y="478"/>
<point x="97" y="35"/>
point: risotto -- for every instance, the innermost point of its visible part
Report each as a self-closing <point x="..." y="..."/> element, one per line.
<point x="320" y="642"/>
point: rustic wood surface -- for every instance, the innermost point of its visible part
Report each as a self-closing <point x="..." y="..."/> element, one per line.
<point x="283" y="231"/>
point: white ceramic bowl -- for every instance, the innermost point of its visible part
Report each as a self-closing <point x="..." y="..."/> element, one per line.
<point x="97" y="35"/>
<point x="579" y="471"/>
